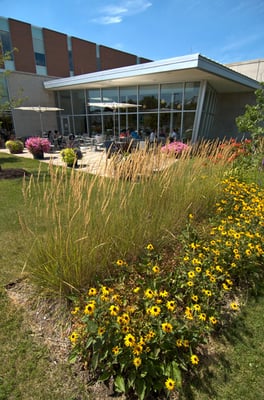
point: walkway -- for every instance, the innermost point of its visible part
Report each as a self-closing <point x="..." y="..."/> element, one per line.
<point x="92" y="161"/>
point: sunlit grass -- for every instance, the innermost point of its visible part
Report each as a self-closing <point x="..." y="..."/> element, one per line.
<point x="78" y="224"/>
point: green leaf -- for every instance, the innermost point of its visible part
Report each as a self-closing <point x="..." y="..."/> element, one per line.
<point x="95" y="360"/>
<point x="173" y="371"/>
<point x="92" y="326"/>
<point x="120" y="384"/>
<point x="89" y="342"/>
<point x="140" y="388"/>
<point x="105" y="376"/>
<point x="131" y="378"/>
<point x="72" y="358"/>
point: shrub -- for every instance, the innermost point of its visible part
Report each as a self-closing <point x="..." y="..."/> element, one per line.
<point x="70" y="156"/>
<point x="174" y="148"/>
<point x="37" y="145"/>
<point x="15" y="146"/>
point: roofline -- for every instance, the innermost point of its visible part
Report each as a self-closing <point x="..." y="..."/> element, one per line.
<point x="171" y="64"/>
<point x="225" y="72"/>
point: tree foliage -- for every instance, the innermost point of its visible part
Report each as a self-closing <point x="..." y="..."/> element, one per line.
<point x="252" y="121"/>
<point x="13" y="102"/>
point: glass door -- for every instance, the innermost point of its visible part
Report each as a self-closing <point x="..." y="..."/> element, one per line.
<point x="65" y="123"/>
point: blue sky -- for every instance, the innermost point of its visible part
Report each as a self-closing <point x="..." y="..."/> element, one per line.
<point x="223" y="30"/>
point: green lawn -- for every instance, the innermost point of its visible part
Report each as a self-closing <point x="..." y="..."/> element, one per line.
<point x="28" y="370"/>
<point x="235" y="369"/>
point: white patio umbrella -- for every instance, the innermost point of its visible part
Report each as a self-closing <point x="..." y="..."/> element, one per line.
<point x="40" y="110"/>
<point x="114" y="106"/>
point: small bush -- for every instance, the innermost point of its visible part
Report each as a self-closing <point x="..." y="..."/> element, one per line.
<point x="15" y="146"/>
<point x="70" y="156"/>
<point x="37" y="145"/>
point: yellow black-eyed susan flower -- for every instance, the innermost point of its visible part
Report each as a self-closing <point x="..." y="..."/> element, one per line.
<point x="116" y="350"/>
<point x="129" y="340"/>
<point x="137" y="349"/>
<point x="163" y="293"/>
<point x="89" y="309"/>
<point x="194" y="359"/>
<point x="170" y="384"/>
<point x="101" y="330"/>
<point x="213" y="320"/>
<point x="114" y="310"/>
<point x="137" y="362"/>
<point x="75" y="310"/>
<point x="156" y="269"/>
<point x="92" y="292"/>
<point x="74" y="337"/>
<point x="234" y="306"/>
<point x="154" y="311"/>
<point x="149" y="293"/>
<point x="171" y="305"/>
<point x="167" y="327"/>
<point x="150" y="247"/>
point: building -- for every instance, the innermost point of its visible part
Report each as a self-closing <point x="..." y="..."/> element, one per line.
<point x="252" y="68"/>
<point x="44" y="54"/>
<point x="193" y="94"/>
<point x="199" y="97"/>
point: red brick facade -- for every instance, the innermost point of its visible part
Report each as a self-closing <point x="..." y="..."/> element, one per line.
<point x="21" y="38"/>
<point x="84" y="56"/>
<point x="57" y="57"/>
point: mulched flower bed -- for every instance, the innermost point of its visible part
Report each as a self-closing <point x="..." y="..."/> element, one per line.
<point x="12" y="173"/>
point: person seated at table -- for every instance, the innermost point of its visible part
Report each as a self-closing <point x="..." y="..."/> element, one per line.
<point x="134" y="135"/>
<point x="174" y="135"/>
<point x="124" y="133"/>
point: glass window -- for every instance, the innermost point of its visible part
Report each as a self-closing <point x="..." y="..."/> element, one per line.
<point x="5" y="43"/>
<point x="147" y="122"/>
<point x="78" y="101"/>
<point x="40" y="59"/>
<point x="80" y="125"/>
<point x="38" y="43"/>
<point x="93" y="96"/>
<point x="187" y="127"/>
<point x="95" y="124"/>
<point x="148" y="97"/>
<point x="128" y="121"/>
<point x="170" y="121"/>
<point x="171" y="96"/>
<point x="191" y="92"/>
<point x="41" y="70"/>
<point x="128" y="94"/>
<point x="110" y="94"/>
<point x="65" y="102"/>
<point x="38" y="46"/>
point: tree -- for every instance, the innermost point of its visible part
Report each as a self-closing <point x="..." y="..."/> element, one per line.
<point x="252" y="121"/>
<point x="6" y="106"/>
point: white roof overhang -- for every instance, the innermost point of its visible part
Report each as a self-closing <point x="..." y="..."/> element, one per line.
<point x="191" y="68"/>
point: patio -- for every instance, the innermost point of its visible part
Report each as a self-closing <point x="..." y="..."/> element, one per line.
<point x="92" y="161"/>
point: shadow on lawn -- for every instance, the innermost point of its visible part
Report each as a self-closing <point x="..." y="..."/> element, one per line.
<point x="10" y="160"/>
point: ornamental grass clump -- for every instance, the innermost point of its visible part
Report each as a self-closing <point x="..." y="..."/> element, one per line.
<point x="147" y="325"/>
<point x="78" y="223"/>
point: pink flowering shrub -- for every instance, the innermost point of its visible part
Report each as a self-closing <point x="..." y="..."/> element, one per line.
<point x="174" y="148"/>
<point x="36" y="145"/>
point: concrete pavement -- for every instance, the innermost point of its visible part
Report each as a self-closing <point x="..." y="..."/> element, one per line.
<point x="92" y="161"/>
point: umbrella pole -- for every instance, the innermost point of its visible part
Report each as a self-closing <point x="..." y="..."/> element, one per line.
<point x="41" y="123"/>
